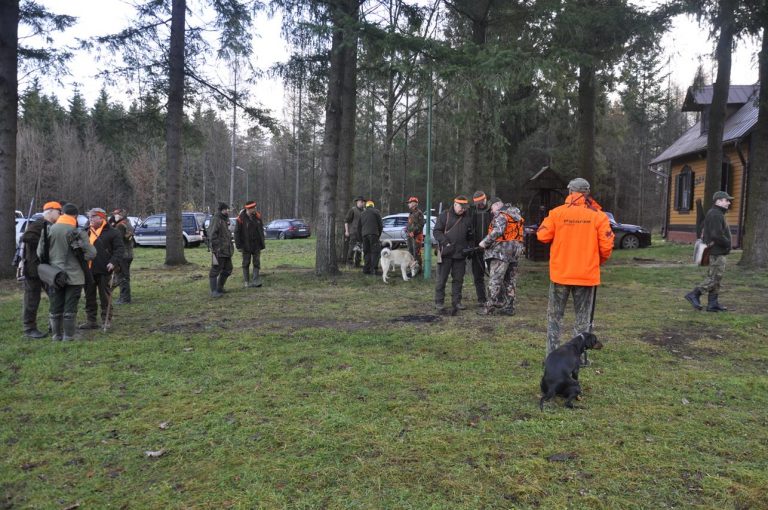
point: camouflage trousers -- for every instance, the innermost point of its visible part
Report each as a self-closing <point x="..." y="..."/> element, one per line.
<point x="416" y="248"/>
<point x="502" y="284"/>
<point x="715" y="273"/>
<point x="558" y="298"/>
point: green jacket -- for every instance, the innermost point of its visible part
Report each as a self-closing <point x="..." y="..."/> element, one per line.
<point x="220" y="237"/>
<point x="62" y="256"/>
<point x="716" y="231"/>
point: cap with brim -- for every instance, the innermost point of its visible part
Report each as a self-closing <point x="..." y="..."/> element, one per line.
<point x="413" y="199"/>
<point x="721" y="194"/>
<point x="96" y="211"/>
<point x="462" y="201"/>
<point x="70" y="209"/>
<point x="358" y="198"/>
<point x="117" y="212"/>
<point x="250" y="205"/>
<point x="52" y="205"/>
<point x="479" y="196"/>
<point x="495" y="200"/>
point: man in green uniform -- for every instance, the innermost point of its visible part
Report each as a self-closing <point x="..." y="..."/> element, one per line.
<point x="221" y="250"/>
<point x="717" y="235"/>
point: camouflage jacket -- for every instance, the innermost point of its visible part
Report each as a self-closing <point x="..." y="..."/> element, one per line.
<point x="508" y="251"/>
<point x="415" y="222"/>
<point x="126" y="232"/>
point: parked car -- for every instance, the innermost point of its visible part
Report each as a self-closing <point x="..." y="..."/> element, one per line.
<point x="625" y="235"/>
<point x="21" y="223"/>
<point x="394" y="229"/>
<point x="151" y="231"/>
<point x="629" y="236"/>
<point x="287" y="229"/>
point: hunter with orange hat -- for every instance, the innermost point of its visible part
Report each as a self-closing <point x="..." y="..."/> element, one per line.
<point x="453" y="230"/>
<point x="32" y="285"/>
<point x="415" y="230"/>
<point x="249" y="239"/>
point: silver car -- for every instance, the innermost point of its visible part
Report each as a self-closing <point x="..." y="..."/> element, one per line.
<point x="394" y="229"/>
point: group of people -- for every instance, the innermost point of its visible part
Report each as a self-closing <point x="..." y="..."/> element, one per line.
<point x="248" y="240"/>
<point x="97" y="258"/>
<point x="488" y="232"/>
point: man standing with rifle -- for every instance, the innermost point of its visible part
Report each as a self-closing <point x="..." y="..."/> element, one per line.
<point x="109" y="255"/>
<point x="582" y="240"/>
<point x="28" y="266"/>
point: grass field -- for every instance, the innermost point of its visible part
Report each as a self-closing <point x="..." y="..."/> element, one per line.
<point x="316" y="393"/>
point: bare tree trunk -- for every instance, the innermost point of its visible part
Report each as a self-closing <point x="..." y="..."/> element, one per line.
<point x="9" y="27"/>
<point x="325" y="259"/>
<point x="756" y="228"/>
<point x="717" y="110"/>
<point x="587" y="114"/>
<point x="348" y="119"/>
<point x="174" y="244"/>
<point x="386" y="158"/>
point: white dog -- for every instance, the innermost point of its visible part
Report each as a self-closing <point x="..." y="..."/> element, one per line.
<point x="403" y="258"/>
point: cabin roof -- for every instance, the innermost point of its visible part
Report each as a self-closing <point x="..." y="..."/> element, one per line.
<point x="737" y="126"/>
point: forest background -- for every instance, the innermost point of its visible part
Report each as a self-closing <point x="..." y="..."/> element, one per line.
<point x="511" y="86"/>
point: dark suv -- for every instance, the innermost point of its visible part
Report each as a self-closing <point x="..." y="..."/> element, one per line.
<point x="151" y="231"/>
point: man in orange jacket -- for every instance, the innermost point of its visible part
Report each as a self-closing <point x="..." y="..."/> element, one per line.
<point x="582" y="240"/>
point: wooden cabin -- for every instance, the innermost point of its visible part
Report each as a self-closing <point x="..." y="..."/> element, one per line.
<point x="687" y="160"/>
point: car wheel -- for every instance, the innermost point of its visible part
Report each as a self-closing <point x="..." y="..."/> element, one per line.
<point x="186" y="243"/>
<point x="630" y="242"/>
<point x="281" y="236"/>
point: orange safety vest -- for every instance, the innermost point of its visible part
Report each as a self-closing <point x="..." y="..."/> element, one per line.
<point x="513" y="232"/>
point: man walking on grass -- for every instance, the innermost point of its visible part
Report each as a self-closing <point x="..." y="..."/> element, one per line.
<point x="717" y="235"/>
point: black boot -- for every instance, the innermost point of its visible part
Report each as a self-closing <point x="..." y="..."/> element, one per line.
<point x="256" y="282"/>
<point x="713" y="305"/>
<point x="246" y="277"/>
<point x="57" y="326"/>
<point x="222" y="280"/>
<point x="69" y="326"/>
<point x="213" y="281"/>
<point x="693" y="298"/>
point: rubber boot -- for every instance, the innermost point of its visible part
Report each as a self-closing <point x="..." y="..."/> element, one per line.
<point x="693" y="298"/>
<point x="256" y="282"/>
<point x="222" y="281"/>
<point x="213" y="281"/>
<point x="125" y="293"/>
<point x="57" y="327"/>
<point x="69" y="326"/>
<point x="247" y="277"/>
<point x="713" y="305"/>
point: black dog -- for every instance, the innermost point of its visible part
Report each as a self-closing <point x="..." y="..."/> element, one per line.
<point x="561" y="369"/>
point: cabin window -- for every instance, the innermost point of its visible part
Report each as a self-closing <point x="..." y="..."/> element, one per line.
<point x="726" y="177"/>
<point x="684" y="189"/>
